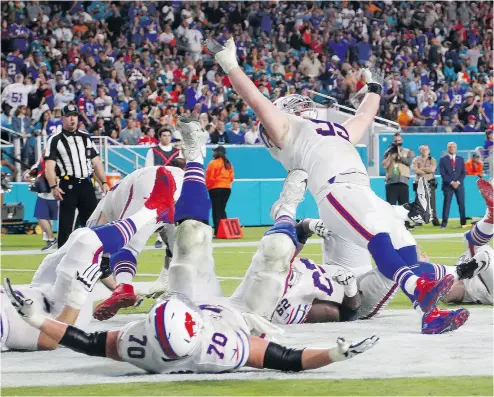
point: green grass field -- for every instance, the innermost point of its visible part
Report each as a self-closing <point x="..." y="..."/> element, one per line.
<point x="233" y="262"/>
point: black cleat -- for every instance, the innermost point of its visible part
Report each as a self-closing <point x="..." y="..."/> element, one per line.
<point x="472" y="267"/>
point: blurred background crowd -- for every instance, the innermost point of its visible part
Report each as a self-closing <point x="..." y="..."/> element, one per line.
<point x="133" y="67"/>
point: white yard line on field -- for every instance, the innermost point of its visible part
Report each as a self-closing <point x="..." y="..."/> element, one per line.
<point x="240" y="244"/>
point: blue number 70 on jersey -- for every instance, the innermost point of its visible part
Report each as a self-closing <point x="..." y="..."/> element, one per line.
<point x="331" y="129"/>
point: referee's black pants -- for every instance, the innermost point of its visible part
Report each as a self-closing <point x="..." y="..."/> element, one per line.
<point x="219" y="197"/>
<point x="79" y="194"/>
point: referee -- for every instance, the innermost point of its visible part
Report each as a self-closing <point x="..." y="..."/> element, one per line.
<point x="71" y="156"/>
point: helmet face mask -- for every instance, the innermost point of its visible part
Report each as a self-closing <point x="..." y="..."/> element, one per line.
<point x="298" y="105"/>
<point x="173" y="327"/>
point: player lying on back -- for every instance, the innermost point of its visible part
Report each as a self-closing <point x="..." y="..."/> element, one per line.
<point x="337" y="177"/>
<point x="475" y="267"/>
<point x="177" y="335"/>
<point x="62" y="283"/>
<point x="125" y="199"/>
<point x="332" y="292"/>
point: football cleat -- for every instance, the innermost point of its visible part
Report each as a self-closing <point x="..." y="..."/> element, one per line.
<point x="123" y="296"/>
<point x="473" y="266"/>
<point x="442" y="321"/>
<point x="194" y="138"/>
<point x="486" y="191"/>
<point x="427" y="293"/>
<point x="161" y="197"/>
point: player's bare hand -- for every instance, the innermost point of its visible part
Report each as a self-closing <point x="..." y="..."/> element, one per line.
<point x="57" y="193"/>
<point x="26" y="307"/>
<point x="105" y="189"/>
<point x="345" y="350"/>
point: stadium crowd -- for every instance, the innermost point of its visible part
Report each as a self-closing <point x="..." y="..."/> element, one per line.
<point x="134" y="67"/>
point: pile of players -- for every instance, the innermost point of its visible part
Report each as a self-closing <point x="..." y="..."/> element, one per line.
<point x="193" y="327"/>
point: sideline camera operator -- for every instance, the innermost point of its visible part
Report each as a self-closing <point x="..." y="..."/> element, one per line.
<point x="396" y="162"/>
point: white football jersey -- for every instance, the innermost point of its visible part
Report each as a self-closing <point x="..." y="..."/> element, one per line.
<point x="340" y="252"/>
<point x="308" y="281"/>
<point x="16" y="94"/>
<point x="321" y="148"/>
<point x="224" y="345"/>
<point x="129" y="194"/>
<point x="476" y="291"/>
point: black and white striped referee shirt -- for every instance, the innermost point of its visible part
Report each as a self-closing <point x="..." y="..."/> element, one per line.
<point x="72" y="152"/>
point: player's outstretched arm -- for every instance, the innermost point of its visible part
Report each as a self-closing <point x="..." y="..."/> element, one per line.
<point x="266" y="354"/>
<point x="274" y="122"/>
<point x="360" y="123"/>
<point x="101" y="344"/>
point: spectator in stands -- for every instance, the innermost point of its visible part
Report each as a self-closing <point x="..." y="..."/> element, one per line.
<point x="472" y="125"/>
<point x="474" y="166"/>
<point x="452" y="168"/>
<point x="405" y="116"/>
<point x="236" y="136"/>
<point x="149" y="138"/>
<point x="219" y="135"/>
<point x="470" y="107"/>
<point x="219" y="178"/>
<point x="62" y="97"/>
<point x="425" y="166"/>
<point x="131" y="134"/>
<point x="488" y="109"/>
<point x="488" y="155"/>
<point x="396" y="162"/>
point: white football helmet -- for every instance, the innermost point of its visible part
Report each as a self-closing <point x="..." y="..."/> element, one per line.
<point x="299" y="105"/>
<point x="173" y="327"/>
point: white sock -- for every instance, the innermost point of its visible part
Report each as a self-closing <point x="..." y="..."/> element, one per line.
<point x="143" y="217"/>
<point x="411" y="284"/>
<point x="124" y="278"/>
<point x="484" y="227"/>
<point x="419" y="311"/>
<point x="198" y="159"/>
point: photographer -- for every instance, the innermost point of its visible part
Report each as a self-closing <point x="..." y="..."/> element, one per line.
<point x="424" y="166"/>
<point x="396" y="162"/>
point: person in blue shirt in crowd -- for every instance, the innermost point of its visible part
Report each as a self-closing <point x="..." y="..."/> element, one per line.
<point x="430" y="112"/>
<point x="236" y="135"/>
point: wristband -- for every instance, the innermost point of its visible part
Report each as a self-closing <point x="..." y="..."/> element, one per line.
<point x="375" y="88"/>
<point x="53" y="187"/>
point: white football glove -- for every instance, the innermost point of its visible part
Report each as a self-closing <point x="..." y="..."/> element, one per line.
<point x="317" y="227"/>
<point x="345" y="350"/>
<point x="82" y="285"/>
<point x="347" y="279"/>
<point x="27" y="308"/>
<point x="373" y="76"/>
<point x="225" y="55"/>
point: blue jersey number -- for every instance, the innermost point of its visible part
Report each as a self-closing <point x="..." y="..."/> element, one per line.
<point x="331" y="129"/>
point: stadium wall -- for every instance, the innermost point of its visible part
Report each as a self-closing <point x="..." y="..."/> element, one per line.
<point x="251" y="200"/>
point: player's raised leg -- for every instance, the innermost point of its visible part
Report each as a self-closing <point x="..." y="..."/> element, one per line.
<point x="266" y="279"/>
<point x="191" y="271"/>
<point x="159" y="207"/>
<point x="438" y="321"/>
<point x="483" y="230"/>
